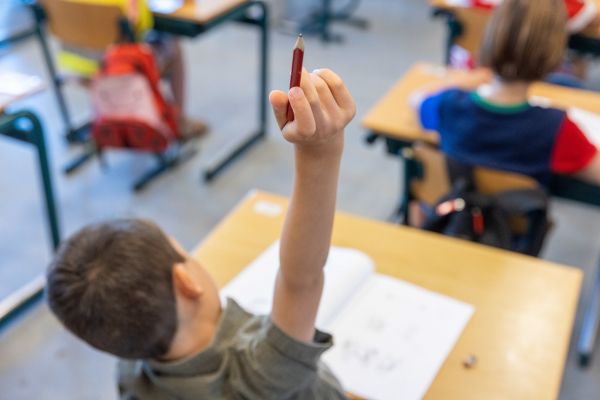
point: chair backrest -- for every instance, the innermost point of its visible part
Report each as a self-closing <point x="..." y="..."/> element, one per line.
<point x="435" y="182"/>
<point x="83" y="25"/>
<point x="490" y="182"/>
<point x="474" y="22"/>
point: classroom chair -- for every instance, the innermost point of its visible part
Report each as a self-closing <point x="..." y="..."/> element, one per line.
<point x="94" y="27"/>
<point x="435" y="182"/>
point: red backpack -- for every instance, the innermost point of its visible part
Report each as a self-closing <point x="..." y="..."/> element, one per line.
<point x="131" y="111"/>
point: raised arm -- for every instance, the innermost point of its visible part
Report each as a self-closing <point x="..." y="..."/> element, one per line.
<point x="322" y="109"/>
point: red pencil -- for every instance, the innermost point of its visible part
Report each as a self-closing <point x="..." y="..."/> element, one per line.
<point x="296" y="75"/>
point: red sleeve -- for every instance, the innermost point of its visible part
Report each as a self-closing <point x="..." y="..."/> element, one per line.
<point x="572" y="150"/>
<point x="574" y="7"/>
<point x="581" y="13"/>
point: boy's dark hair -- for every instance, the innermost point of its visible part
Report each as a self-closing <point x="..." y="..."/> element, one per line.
<point x="525" y="39"/>
<point x="111" y="285"/>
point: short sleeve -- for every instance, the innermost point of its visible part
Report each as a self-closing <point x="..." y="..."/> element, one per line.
<point x="572" y="149"/>
<point x="429" y="112"/>
<point x="274" y="365"/>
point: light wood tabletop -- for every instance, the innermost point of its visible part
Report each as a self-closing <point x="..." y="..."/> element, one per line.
<point x="525" y="307"/>
<point x="394" y="117"/>
<point x="202" y="11"/>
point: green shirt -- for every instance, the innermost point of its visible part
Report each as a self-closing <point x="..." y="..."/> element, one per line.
<point x="249" y="358"/>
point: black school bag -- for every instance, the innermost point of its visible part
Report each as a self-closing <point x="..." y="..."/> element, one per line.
<point x="488" y="219"/>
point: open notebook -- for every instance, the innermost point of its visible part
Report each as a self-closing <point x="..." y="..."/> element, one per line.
<point x="588" y="122"/>
<point x="391" y="337"/>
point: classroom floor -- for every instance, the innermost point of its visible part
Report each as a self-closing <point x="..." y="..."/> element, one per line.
<point x="38" y="359"/>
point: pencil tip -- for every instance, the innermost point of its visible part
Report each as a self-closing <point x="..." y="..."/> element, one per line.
<point x="301" y="35"/>
<point x="300" y="42"/>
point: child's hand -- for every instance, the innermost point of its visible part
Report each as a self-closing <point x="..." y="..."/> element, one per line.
<point x="322" y="109"/>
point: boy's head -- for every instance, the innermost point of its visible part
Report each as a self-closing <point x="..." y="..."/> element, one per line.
<point x="125" y="288"/>
<point x="525" y="39"/>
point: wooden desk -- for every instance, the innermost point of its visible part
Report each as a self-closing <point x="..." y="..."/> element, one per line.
<point x="191" y="20"/>
<point x="525" y="307"/>
<point x="393" y="119"/>
<point x="199" y="16"/>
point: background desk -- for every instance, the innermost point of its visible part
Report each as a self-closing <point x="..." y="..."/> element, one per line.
<point x="191" y="20"/>
<point x="525" y="307"/>
<point x="394" y="120"/>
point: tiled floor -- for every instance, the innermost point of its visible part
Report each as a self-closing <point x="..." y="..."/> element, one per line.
<point x="38" y="360"/>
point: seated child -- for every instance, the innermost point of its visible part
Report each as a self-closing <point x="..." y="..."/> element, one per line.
<point x="493" y="124"/>
<point x="167" y="52"/>
<point x="125" y="288"/>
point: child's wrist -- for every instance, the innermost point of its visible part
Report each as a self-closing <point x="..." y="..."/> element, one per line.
<point x="330" y="149"/>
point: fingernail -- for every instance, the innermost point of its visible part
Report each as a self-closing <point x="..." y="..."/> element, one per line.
<point x="295" y="92"/>
<point x="317" y="71"/>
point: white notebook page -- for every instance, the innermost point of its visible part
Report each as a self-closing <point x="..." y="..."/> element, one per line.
<point x="346" y="270"/>
<point x="392" y="338"/>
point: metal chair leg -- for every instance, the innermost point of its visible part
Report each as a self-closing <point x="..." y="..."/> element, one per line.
<point x="590" y="325"/>
<point x="165" y="163"/>
<point x="79" y="161"/>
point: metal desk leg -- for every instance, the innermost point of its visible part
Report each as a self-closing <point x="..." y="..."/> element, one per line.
<point x="262" y="22"/>
<point x="37" y="138"/>
<point x="38" y="15"/>
<point x="590" y="324"/>
<point x="26" y="127"/>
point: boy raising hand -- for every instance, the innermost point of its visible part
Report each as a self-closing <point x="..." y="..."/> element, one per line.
<point x="125" y="288"/>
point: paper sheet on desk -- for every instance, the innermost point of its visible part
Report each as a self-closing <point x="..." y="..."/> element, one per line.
<point x="16" y="84"/>
<point x="391" y="337"/>
<point x="588" y="122"/>
<point x="394" y="338"/>
<point x="345" y="271"/>
<point x="165" y="6"/>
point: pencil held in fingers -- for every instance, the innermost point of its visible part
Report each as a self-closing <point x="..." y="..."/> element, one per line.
<point x="296" y="75"/>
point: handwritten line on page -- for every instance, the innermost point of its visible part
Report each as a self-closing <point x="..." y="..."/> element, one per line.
<point x="391" y="337"/>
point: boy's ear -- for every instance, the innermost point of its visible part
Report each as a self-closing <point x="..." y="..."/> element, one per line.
<point x="185" y="284"/>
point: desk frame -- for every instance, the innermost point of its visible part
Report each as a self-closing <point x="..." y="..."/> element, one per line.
<point x="186" y="28"/>
<point x="239" y="14"/>
<point x="25" y="127"/>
